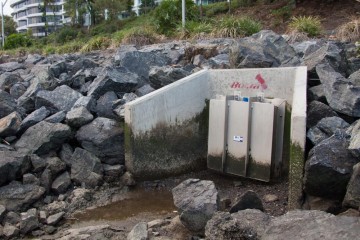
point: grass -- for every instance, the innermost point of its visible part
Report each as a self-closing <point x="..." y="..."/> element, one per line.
<point x="234" y="27"/>
<point x="311" y="25"/>
<point x="349" y="31"/>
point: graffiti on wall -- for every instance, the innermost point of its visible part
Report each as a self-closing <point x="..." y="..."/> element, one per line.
<point x="261" y="84"/>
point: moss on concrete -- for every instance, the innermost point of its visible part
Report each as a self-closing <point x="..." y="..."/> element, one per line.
<point x="296" y="173"/>
<point x="286" y="142"/>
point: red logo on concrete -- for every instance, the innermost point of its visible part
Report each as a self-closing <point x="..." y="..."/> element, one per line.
<point x="258" y="77"/>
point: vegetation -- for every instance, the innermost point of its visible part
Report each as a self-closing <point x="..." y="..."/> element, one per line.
<point x="306" y="24"/>
<point x="236" y="27"/>
<point x="17" y="40"/>
<point x="349" y="31"/>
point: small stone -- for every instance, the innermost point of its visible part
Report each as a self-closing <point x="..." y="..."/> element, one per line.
<point x="54" y="219"/>
<point x="139" y="232"/>
<point x="37" y="233"/>
<point x="224" y="203"/>
<point x="10" y="231"/>
<point x="50" y="229"/>
<point x="2" y="212"/>
<point x="350" y="213"/>
<point x="42" y="216"/>
<point x="29" y="178"/>
<point x="238" y="184"/>
<point x="248" y="200"/>
<point x="12" y="218"/>
<point x="157" y="223"/>
<point x="61" y="197"/>
<point x="128" y="179"/>
<point x="29" y="221"/>
<point x="270" y="198"/>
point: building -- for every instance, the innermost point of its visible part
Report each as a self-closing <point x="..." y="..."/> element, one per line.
<point x="29" y="14"/>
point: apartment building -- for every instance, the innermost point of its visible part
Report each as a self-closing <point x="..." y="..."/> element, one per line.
<point x="29" y="14"/>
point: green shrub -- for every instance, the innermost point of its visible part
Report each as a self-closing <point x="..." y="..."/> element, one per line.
<point x="168" y="15"/>
<point x="215" y="8"/>
<point x="236" y="27"/>
<point x="195" y="30"/>
<point x="309" y="25"/>
<point x="282" y="14"/>
<point x="97" y="43"/>
<point x="107" y="27"/>
<point x="65" y="34"/>
<point x="49" y="50"/>
<point x="139" y="36"/>
<point x="71" y="47"/>
<point x="17" y="40"/>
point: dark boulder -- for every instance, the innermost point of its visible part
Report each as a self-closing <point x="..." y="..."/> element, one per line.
<point x="78" y="117"/>
<point x="61" y="183"/>
<point x="7" y="104"/>
<point x="248" y="200"/>
<point x="329" y="167"/>
<point x="162" y="76"/>
<point x="10" y="67"/>
<point x="10" y="124"/>
<point x="104" y="105"/>
<point x="43" y="137"/>
<point x="7" y="80"/>
<point x="33" y="118"/>
<point x="317" y="111"/>
<point x="13" y="165"/>
<point x="352" y="196"/>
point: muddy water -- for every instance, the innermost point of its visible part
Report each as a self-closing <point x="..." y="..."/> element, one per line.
<point x="135" y="202"/>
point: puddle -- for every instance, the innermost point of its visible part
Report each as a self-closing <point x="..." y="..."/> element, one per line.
<point x="135" y="202"/>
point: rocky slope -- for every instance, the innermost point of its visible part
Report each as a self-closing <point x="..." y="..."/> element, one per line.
<point x="61" y="120"/>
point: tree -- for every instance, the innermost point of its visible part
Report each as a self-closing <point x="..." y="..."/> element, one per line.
<point x="114" y="7"/>
<point x="9" y="26"/>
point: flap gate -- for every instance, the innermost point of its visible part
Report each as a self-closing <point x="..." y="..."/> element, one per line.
<point x="242" y="139"/>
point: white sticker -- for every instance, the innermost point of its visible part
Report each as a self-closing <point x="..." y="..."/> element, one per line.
<point x="238" y="139"/>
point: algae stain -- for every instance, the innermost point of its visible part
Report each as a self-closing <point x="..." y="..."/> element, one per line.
<point x="296" y="173"/>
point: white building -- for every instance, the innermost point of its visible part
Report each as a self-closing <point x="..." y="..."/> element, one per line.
<point x="28" y="14"/>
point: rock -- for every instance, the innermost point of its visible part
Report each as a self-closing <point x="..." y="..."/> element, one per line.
<point x="86" y="168"/>
<point x="33" y="58"/>
<point x="7" y="80"/>
<point x="61" y="183"/>
<point x="56" y="207"/>
<point x="263" y="49"/>
<point x="198" y="60"/>
<point x="10" y="124"/>
<point x="56" y="118"/>
<point x="157" y="223"/>
<point x="88" y="102"/>
<point x="55" y="165"/>
<point x="12" y="218"/>
<point x="128" y="179"/>
<point x="7" y="104"/>
<point x="11" y="66"/>
<point x="104" y="105"/>
<point x="331" y="53"/>
<point x="317" y="93"/>
<point x="196" y="201"/>
<point x="118" y="80"/>
<point x="119" y="106"/>
<point x="304" y="48"/>
<point x="350" y="213"/>
<point x="322" y="204"/>
<point x="29" y="221"/>
<point x="12" y="166"/>
<point x="29" y="178"/>
<point x="354" y="146"/>
<point x="352" y="196"/>
<point x="33" y="118"/>
<point x="104" y="138"/>
<point x="300" y="225"/>
<point x="78" y="117"/>
<point x="58" y="68"/>
<point x="113" y="173"/>
<point x="81" y="64"/>
<point x="17" y="90"/>
<point x="16" y="196"/>
<point x="66" y="153"/>
<point x="43" y="137"/>
<point x="89" y="232"/>
<point x="224" y="204"/>
<point x="140" y="62"/>
<point x="139" y="232"/>
<point x="54" y="219"/>
<point x="329" y="167"/>
<point x="245" y="224"/>
<point x="10" y="231"/>
<point x="38" y="163"/>
<point x="316" y="112"/>
<point x="2" y="213"/>
<point x="221" y="61"/>
<point x="325" y="128"/>
<point x="341" y="94"/>
<point x="42" y="216"/>
<point x="61" y="99"/>
<point x="46" y="179"/>
<point x="146" y="89"/>
<point x="248" y="200"/>
<point x="162" y="76"/>
<point x="270" y="198"/>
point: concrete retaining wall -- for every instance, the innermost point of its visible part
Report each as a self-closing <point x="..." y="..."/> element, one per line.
<point x="166" y="130"/>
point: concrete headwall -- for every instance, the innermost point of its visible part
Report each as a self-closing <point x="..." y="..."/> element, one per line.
<point x="166" y="130"/>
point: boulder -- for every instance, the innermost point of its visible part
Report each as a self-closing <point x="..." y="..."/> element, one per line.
<point x="29" y="221"/>
<point x="10" y="231"/>
<point x="86" y="168"/>
<point x="352" y="196"/>
<point x="330" y="53"/>
<point x="55" y="165"/>
<point x="220" y="61"/>
<point x="341" y="94"/>
<point x="104" y="138"/>
<point x="112" y="173"/>
<point x="11" y="66"/>
<point x="317" y="93"/>
<point x="146" y="89"/>
<point x="46" y="179"/>
<point x="12" y="218"/>
<point x="86" y="101"/>
<point x="325" y="128"/>
<point x="43" y="137"/>
<point x="299" y="225"/>
<point x="322" y="204"/>
<point x="7" y="104"/>
<point x="56" y="118"/>
<point x="78" y="117"/>
<point x="61" y="99"/>
<point x="245" y="224"/>
<point x="12" y="166"/>
<point x="81" y="64"/>
<point x="16" y="196"/>
<point x="354" y="146"/>
<point x="2" y="212"/>
<point x="261" y="50"/>
<point x="139" y="232"/>
<point x="33" y="58"/>
<point x="197" y="201"/>
<point x="104" y="105"/>
<point x="58" y="68"/>
<point x="33" y="118"/>
<point x="317" y="111"/>
<point x="248" y="200"/>
<point x="29" y="178"/>
<point x="162" y="76"/>
<point x="17" y="90"/>
<point x="119" y="80"/>
<point x="329" y="167"/>
<point x="119" y="105"/>
<point x="7" y="80"/>
<point x="10" y="124"/>
<point x="140" y="62"/>
<point x="305" y="48"/>
<point x="38" y="163"/>
<point x="66" y="153"/>
<point x="55" y="218"/>
<point x="61" y="183"/>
